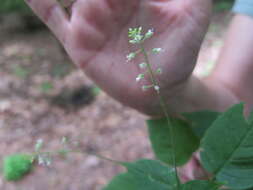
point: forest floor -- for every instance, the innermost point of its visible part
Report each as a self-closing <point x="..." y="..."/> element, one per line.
<point x="42" y="96"/>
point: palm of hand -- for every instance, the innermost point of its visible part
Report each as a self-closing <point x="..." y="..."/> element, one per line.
<point x="95" y="36"/>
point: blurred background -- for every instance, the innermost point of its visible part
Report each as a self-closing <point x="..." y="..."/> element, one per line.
<point x="43" y="96"/>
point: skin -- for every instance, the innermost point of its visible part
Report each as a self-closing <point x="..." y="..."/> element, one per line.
<point x="235" y="64"/>
<point x="95" y="36"/>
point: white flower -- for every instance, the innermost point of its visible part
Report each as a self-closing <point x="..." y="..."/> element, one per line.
<point x="157" y="88"/>
<point x="135" y="35"/>
<point x="149" y="34"/>
<point x="39" y="145"/>
<point x="64" y="140"/>
<point x="143" y="65"/>
<point x="156" y="50"/>
<point x="44" y="159"/>
<point x="130" y="56"/>
<point x="139" y="77"/>
<point x="159" y="71"/>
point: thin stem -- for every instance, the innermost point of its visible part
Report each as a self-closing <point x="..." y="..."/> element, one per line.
<point x="67" y="151"/>
<point x="164" y="109"/>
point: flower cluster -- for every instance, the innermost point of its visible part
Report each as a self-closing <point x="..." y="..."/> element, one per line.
<point x="43" y="158"/>
<point x="137" y="37"/>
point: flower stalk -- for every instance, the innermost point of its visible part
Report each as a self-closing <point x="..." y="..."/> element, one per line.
<point x="137" y="37"/>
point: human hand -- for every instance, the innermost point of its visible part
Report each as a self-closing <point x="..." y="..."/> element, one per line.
<point x="95" y="36"/>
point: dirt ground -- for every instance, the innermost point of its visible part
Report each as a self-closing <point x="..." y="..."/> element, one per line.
<point x="34" y="72"/>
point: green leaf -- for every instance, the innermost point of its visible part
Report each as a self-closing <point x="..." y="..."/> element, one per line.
<point x="186" y="142"/>
<point x="201" y="185"/>
<point x="16" y="166"/>
<point x="227" y="149"/>
<point x="144" y="175"/>
<point x="200" y="121"/>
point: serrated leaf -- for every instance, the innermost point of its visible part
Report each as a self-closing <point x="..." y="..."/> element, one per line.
<point x="144" y="174"/>
<point x="185" y="141"/>
<point x="200" y="121"/>
<point x="200" y="185"/>
<point x="227" y="149"/>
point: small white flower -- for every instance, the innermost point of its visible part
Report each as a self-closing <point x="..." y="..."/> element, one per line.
<point x="130" y="56"/>
<point x="132" y="41"/>
<point x="44" y="160"/>
<point x="159" y="71"/>
<point x="39" y="145"/>
<point x="157" y="88"/>
<point x="143" y="65"/>
<point x="149" y="34"/>
<point x="137" y="39"/>
<point x="135" y="35"/>
<point x="139" y="77"/>
<point x="156" y="50"/>
<point x="64" y="140"/>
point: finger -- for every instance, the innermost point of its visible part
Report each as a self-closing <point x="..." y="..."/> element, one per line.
<point x="52" y="14"/>
<point x="95" y="12"/>
<point x="104" y="15"/>
<point x="89" y="20"/>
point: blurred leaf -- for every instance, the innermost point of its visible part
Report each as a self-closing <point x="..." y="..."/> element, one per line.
<point x="201" y="185"/>
<point x="14" y="6"/>
<point x="185" y="141"/>
<point x="16" y="166"/>
<point x="227" y="149"/>
<point x="144" y="175"/>
<point x="223" y="5"/>
<point x="200" y="121"/>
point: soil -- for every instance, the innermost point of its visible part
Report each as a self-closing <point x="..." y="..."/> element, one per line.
<point x="42" y="96"/>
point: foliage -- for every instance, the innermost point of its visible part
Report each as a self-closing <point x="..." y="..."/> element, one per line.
<point x="186" y="142"/>
<point x="200" y="121"/>
<point x="227" y="149"/>
<point x="8" y="6"/>
<point x="226" y="152"/>
<point x="188" y="133"/>
<point x="223" y="5"/>
<point x="144" y="174"/>
<point x="16" y="166"/>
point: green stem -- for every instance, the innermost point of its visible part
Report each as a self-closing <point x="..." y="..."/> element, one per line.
<point x="164" y="109"/>
<point x="67" y="151"/>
